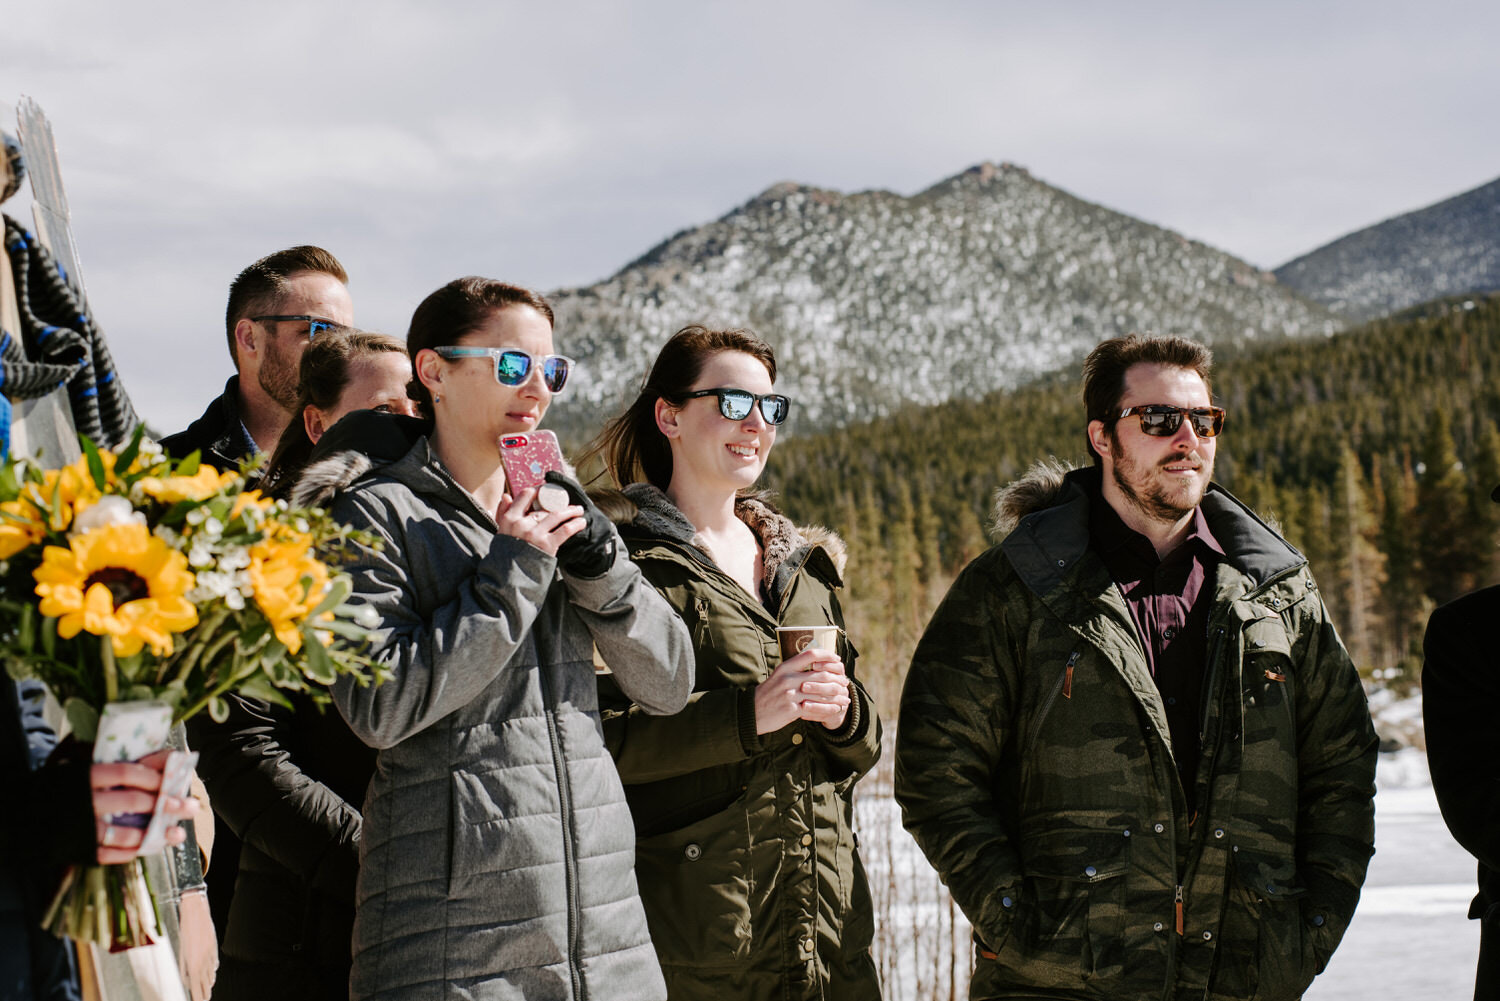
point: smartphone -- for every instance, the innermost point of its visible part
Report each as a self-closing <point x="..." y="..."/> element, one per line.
<point x="527" y="457"/>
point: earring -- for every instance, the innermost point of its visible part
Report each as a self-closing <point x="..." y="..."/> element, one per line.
<point x="437" y="399"/>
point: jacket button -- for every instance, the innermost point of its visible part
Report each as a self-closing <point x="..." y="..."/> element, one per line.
<point x="1318" y="920"/>
<point x="1270" y="887"/>
<point x="1219" y="833"/>
<point x="1160" y="828"/>
<point x="1127" y="832"/>
<point x="1158" y="926"/>
<point x="806" y="840"/>
<point x="693" y="852"/>
<point x="1062" y="563"/>
<point x="1207" y="936"/>
<point x="1007" y="902"/>
<point x="796" y="738"/>
<point x="808" y="945"/>
<point x="1090" y="871"/>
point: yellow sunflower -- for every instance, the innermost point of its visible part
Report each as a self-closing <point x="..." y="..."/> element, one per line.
<point x="203" y="484"/>
<point x="118" y="581"/>
<point x="21" y="526"/>
<point x="288" y="580"/>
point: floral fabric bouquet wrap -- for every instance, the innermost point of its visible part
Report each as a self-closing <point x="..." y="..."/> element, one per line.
<point x="131" y="578"/>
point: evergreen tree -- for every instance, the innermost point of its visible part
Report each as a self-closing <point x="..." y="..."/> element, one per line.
<point x="1445" y="528"/>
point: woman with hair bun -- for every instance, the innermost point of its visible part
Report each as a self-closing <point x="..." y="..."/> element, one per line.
<point x="288" y="782"/>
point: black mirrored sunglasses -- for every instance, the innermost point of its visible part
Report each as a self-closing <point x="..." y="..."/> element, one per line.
<point x="1162" y="419"/>
<point x="735" y="404"/>
<point x="315" y="324"/>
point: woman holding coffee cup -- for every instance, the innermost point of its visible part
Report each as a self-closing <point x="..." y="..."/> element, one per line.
<point x="742" y="801"/>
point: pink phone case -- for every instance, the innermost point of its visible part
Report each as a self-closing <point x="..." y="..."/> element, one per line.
<point x="527" y="457"/>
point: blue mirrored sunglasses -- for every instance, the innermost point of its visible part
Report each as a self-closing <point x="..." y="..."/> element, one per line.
<point x="315" y="324"/>
<point x="512" y="365"/>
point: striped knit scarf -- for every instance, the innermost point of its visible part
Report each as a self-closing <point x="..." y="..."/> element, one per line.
<point x="58" y="344"/>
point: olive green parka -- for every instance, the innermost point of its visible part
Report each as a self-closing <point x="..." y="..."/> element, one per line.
<point x="1034" y="769"/>
<point x="745" y="853"/>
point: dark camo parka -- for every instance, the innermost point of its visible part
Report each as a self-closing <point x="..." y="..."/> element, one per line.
<point x="1033" y="768"/>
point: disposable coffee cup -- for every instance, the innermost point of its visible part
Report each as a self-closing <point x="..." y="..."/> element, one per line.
<point x="795" y="639"/>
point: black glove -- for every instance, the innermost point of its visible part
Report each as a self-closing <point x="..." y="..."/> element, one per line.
<point x="591" y="552"/>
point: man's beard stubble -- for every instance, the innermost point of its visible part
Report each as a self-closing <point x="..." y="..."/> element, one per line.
<point x="1152" y="499"/>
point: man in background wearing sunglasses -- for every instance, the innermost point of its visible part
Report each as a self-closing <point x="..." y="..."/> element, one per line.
<point x="1131" y="741"/>
<point x="276" y="306"/>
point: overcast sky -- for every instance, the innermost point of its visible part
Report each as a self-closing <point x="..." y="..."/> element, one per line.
<point x="549" y="144"/>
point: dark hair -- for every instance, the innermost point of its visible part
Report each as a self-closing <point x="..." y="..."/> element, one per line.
<point x="458" y="309"/>
<point x="322" y="378"/>
<point x="632" y="445"/>
<point x="259" y="288"/>
<point x="1105" y="368"/>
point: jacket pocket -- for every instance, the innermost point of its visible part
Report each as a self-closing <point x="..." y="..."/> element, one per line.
<point x="1070" y="915"/>
<point x="695" y="885"/>
<point x="1266" y="951"/>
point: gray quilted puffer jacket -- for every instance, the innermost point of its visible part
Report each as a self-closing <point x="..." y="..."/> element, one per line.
<point x="497" y="860"/>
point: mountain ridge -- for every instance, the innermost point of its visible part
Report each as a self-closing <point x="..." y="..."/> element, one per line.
<point x="983" y="280"/>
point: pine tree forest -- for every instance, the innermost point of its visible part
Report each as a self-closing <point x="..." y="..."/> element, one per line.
<point x="1373" y="451"/>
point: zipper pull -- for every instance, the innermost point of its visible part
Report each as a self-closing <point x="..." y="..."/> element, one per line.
<point x="1067" y="689"/>
<point x="1178" y="901"/>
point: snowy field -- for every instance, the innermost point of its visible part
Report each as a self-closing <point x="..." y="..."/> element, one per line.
<point x="1410" y="939"/>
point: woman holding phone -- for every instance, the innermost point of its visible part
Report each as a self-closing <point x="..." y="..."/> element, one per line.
<point x="743" y="801"/>
<point x="496" y="856"/>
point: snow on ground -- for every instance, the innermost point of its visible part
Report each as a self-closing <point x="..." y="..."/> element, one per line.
<point x="1410" y="938"/>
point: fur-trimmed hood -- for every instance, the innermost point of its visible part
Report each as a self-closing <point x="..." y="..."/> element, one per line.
<point x="1044" y="520"/>
<point x="1038" y="489"/>
<point x="649" y="509"/>
<point x="363" y="440"/>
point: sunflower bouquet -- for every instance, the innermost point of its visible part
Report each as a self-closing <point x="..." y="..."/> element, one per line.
<point x="132" y="578"/>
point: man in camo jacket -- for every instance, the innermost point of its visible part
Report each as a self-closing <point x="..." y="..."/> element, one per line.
<point x="1131" y="742"/>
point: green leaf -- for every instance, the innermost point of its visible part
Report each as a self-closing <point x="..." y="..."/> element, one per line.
<point x="260" y="688"/>
<point x="317" y="665"/>
<point x="96" y="464"/>
<point x="138" y="693"/>
<point x="83" y="719"/>
<point x="189" y="466"/>
<point x="217" y="707"/>
<point x="339" y="589"/>
<point x="10" y="483"/>
<point x="128" y="454"/>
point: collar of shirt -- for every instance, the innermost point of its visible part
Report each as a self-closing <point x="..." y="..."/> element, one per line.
<point x="1120" y="544"/>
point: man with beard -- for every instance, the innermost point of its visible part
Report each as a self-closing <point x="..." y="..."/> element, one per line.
<point x="276" y="306"/>
<point x="1131" y="742"/>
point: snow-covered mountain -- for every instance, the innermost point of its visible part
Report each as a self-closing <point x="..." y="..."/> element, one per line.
<point x="875" y="300"/>
<point x="1451" y="248"/>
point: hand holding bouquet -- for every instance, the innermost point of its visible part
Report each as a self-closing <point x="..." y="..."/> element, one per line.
<point x="132" y="578"/>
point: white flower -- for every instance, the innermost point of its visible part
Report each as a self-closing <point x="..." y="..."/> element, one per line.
<point x="196" y="516"/>
<point x="107" y="510"/>
<point x="200" y="555"/>
<point x="213" y="527"/>
<point x="235" y="600"/>
<point x="168" y="536"/>
<point x="235" y="558"/>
